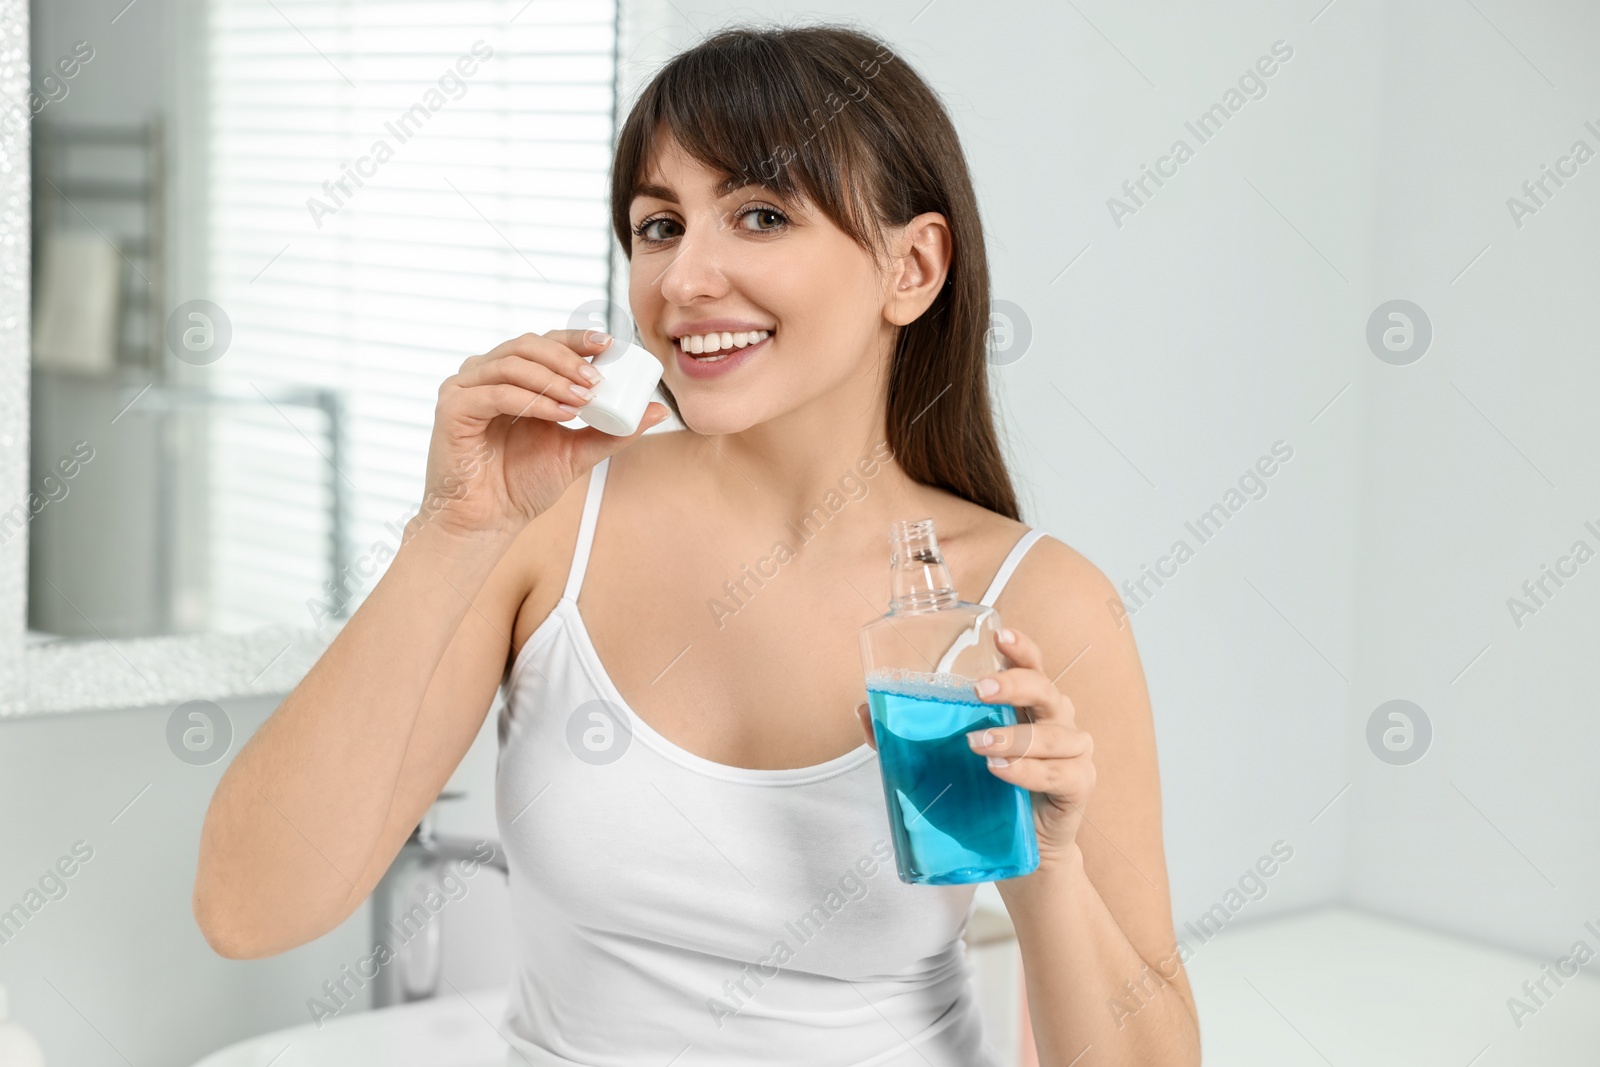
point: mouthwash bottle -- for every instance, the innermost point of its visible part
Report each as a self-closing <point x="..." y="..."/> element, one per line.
<point x="953" y="821"/>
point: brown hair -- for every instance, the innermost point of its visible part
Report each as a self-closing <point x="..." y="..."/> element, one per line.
<point x="834" y="115"/>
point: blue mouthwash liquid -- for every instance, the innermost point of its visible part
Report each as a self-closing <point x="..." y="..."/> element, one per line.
<point x="953" y="821"/>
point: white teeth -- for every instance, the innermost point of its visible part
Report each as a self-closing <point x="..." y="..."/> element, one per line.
<point x="708" y="343"/>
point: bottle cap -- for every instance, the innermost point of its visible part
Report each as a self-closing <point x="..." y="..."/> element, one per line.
<point x="619" y="403"/>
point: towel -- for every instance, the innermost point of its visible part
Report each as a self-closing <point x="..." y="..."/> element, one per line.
<point x="75" y="313"/>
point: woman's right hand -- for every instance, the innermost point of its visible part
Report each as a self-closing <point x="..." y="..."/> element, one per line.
<point x="498" y="456"/>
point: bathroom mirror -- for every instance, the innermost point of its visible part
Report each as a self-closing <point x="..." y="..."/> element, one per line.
<point x="249" y="241"/>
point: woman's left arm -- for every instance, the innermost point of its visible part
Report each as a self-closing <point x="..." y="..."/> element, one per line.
<point x="1106" y="984"/>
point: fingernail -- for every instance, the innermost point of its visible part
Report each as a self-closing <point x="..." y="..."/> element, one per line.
<point x="590" y="375"/>
<point x="999" y="761"/>
<point x="581" y="393"/>
<point x="1007" y="636"/>
<point x="568" y="408"/>
<point x="595" y="337"/>
<point x="981" y="738"/>
<point x="988" y="687"/>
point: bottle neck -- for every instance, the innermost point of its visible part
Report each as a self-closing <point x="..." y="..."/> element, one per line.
<point x="918" y="577"/>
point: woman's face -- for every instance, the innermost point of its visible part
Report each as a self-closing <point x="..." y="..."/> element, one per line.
<point x="709" y="260"/>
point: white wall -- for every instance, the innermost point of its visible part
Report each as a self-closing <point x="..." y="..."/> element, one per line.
<point x="1479" y="469"/>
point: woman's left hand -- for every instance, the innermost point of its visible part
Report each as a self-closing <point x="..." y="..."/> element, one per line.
<point x="1049" y="756"/>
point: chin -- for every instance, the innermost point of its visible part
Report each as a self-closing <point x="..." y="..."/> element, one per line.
<point x="707" y="424"/>
<point x="706" y="417"/>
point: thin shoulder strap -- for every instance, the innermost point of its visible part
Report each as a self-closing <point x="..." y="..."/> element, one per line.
<point x="1018" y="550"/>
<point x="591" y="509"/>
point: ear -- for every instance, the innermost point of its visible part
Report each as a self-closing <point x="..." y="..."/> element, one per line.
<point x="922" y="261"/>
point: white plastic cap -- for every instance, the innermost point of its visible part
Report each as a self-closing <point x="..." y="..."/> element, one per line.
<point x="620" y="400"/>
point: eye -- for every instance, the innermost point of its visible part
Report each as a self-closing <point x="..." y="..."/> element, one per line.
<point x="645" y="230"/>
<point x="765" y="215"/>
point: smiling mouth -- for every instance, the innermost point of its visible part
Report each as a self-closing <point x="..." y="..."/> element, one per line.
<point x="700" y="348"/>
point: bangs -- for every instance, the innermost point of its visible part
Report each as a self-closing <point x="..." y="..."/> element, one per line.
<point x="751" y="109"/>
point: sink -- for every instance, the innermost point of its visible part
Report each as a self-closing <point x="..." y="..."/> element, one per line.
<point x="451" y="1030"/>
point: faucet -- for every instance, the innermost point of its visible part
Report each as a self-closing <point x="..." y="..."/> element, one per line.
<point x="401" y="916"/>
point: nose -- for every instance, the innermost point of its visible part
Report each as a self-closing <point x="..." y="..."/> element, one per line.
<point x="695" y="270"/>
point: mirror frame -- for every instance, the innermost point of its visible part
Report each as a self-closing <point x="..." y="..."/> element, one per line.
<point x="42" y="676"/>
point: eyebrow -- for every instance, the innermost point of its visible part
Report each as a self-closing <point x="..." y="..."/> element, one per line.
<point x="731" y="184"/>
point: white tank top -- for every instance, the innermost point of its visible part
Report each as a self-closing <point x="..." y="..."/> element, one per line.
<point x="668" y="909"/>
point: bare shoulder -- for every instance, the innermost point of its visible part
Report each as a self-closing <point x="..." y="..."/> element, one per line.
<point x="1058" y="593"/>
<point x="1054" y="589"/>
<point x="1071" y="610"/>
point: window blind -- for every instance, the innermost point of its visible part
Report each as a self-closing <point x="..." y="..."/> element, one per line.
<point x="394" y="185"/>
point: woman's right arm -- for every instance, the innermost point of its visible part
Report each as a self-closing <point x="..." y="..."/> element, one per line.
<point x="315" y="806"/>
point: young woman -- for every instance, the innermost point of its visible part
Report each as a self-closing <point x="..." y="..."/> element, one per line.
<point x="696" y="832"/>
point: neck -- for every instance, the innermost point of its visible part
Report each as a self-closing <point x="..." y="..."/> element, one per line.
<point x="824" y="465"/>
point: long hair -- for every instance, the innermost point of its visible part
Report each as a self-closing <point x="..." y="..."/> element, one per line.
<point x="835" y="115"/>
